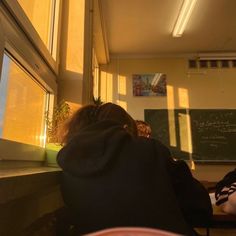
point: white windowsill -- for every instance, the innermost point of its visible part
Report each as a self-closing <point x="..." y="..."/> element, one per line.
<point x="16" y="183"/>
<point x="7" y="173"/>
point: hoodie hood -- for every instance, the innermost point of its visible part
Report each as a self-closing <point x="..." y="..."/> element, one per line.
<point x="93" y="148"/>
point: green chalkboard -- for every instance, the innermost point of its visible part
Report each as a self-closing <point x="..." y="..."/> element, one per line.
<point x="204" y="135"/>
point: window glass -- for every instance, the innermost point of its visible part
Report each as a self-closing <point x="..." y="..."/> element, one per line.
<point x="41" y="14"/>
<point x="22" y="105"/>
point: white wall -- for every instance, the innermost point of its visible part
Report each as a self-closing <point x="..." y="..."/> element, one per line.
<point x="186" y="88"/>
<point x="195" y="88"/>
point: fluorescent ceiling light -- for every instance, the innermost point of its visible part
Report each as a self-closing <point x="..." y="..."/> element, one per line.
<point x="183" y="17"/>
<point x="217" y="56"/>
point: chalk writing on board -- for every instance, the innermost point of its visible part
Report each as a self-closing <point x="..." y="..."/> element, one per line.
<point x="213" y="132"/>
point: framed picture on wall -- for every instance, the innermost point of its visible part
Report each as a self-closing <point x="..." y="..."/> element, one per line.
<point x="149" y="84"/>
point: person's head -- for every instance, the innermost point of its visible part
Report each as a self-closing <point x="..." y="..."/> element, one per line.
<point x="143" y="128"/>
<point x="91" y="114"/>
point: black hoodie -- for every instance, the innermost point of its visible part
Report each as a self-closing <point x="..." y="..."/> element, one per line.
<point x="112" y="179"/>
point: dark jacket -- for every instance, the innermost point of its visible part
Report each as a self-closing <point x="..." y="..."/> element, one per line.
<point x="111" y="179"/>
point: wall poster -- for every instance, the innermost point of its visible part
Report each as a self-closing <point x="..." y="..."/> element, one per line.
<point x="149" y="84"/>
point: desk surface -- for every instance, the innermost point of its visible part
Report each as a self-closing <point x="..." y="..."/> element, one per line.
<point x="221" y="216"/>
<point x="222" y="220"/>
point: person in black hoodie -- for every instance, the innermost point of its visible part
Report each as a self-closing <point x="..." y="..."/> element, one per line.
<point x="112" y="177"/>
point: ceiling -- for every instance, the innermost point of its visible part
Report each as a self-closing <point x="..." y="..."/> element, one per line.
<point x="144" y="27"/>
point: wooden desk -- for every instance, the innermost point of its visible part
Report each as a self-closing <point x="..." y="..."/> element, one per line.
<point x="222" y="220"/>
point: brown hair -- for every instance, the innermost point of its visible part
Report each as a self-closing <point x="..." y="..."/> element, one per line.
<point x="91" y="114"/>
<point x="143" y="128"/>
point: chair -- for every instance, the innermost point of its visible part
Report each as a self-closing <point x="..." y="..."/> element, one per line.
<point x="132" y="231"/>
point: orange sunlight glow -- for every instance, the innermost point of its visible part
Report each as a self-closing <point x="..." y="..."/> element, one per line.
<point x="109" y="87"/>
<point x="122" y="90"/>
<point x="106" y="87"/>
<point x="75" y="36"/>
<point x="123" y="104"/>
<point x="183" y="98"/>
<point x="185" y="125"/>
<point x="171" y="115"/>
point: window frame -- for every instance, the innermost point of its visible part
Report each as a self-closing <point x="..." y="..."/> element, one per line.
<point x="15" y="41"/>
<point x="25" y="24"/>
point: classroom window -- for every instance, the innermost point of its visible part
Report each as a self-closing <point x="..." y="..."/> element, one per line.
<point x="44" y="17"/>
<point x="23" y="105"/>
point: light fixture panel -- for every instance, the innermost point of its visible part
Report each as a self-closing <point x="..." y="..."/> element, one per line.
<point x="183" y="17"/>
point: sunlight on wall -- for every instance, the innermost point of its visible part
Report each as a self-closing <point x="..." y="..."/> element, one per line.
<point x="185" y="133"/>
<point x="109" y="87"/>
<point x="183" y="98"/>
<point x="75" y="36"/>
<point x="170" y="97"/>
<point x="106" y="82"/>
<point x="123" y="104"/>
<point x="96" y="86"/>
<point x="185" y="125"/>
<point x="103" y="87"/>
<point x="171" y="115"/>
<point x="122" y="90"/>
<point x="95" y="72"/>
<point x="39" y="13"/>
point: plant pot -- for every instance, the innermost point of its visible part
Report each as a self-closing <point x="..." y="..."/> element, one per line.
<point x="51" y="150"/>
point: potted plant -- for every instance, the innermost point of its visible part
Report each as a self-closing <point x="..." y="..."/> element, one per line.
<point x="97" y="101"/>
<point x="61" y="113"/>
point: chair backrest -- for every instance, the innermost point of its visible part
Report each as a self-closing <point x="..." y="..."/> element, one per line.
<point x="132" y="231"/>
